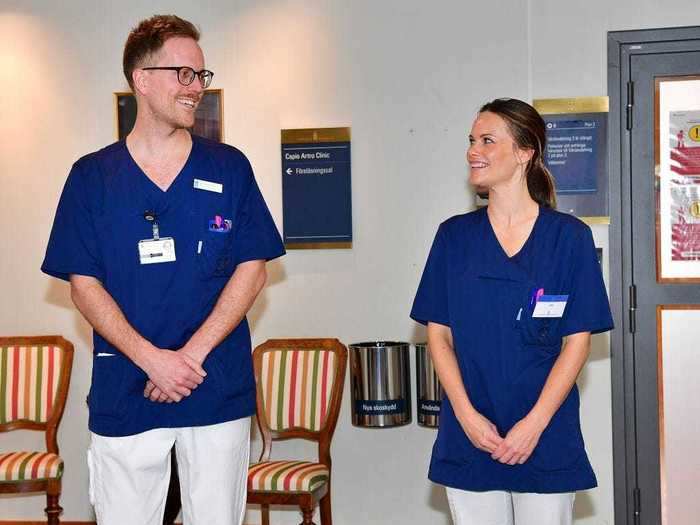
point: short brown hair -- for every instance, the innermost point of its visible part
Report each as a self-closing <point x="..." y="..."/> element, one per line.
<point x="148" y="38"/>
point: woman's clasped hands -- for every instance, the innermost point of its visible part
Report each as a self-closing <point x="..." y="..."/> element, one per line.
<point x="515" y="448"/>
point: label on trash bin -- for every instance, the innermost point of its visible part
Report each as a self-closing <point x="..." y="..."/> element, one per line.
<point x="374" y="407"/>
<point x="429" y="407"/>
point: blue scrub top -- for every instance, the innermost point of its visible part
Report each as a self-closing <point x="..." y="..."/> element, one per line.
<point x="98" y="224"/>
<point x="472" y="286"/>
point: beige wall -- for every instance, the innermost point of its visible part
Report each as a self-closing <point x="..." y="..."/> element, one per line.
<point x="407" y="76"/>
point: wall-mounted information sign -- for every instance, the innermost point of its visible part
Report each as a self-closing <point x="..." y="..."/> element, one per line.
<point x="316" y="196"/>
<point x="577" y="154"/>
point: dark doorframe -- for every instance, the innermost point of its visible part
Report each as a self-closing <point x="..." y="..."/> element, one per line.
<point x="621" y="46"/>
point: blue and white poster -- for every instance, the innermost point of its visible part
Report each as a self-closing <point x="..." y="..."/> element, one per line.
<point x="577" y="154"/>
<point x="574" y="147"/>
<point x="316" y="189"/>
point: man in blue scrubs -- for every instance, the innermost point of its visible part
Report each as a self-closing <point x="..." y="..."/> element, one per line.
<point x="164" y="238"/>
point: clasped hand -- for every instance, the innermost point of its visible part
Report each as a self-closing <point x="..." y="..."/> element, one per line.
<point x="515" y="448"/>
<point x="173" y="376"/>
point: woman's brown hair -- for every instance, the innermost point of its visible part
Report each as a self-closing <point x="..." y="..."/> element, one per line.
<point x="527" y="128"/>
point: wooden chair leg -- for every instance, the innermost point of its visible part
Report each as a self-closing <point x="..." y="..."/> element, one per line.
<point x="265" y="512"/>
<point x="325" y="505"/>
<point x="53" y="509"/>
<point x="307" y="511"/>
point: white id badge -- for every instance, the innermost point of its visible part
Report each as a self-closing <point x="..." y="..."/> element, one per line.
<point x="550" y="306"/>
<point x="152" y="251"/>
<point x="207" y="185"/>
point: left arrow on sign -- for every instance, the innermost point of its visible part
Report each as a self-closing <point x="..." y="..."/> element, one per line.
<point x="289" y="171"/>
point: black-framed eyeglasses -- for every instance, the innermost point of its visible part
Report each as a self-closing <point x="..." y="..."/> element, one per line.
<point x="185" y="74"/>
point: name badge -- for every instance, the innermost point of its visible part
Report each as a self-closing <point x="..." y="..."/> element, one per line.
<point x="550" y="306"/>
<point x="208" y="185"/>
<point x="152" y="251"/>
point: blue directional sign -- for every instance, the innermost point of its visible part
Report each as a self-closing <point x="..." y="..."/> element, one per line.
<point x="576" y="151"/>
<point x="577" y="158"/>
<point x="577" y="154"/>
<point x="316" y="191"/>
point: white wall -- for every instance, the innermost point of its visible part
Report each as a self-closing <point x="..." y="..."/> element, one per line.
<point x="407" y="76"/>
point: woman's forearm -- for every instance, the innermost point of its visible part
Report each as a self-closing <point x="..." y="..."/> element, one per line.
<point x="562" y="377"/>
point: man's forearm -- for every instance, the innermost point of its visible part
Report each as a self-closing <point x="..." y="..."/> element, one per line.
<point x="175" y="374"/>
<point x="234" y="302"/>
<point x="103" y="313"/>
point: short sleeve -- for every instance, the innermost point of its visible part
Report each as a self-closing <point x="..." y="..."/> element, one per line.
<point x="588" y="308"/>
<point x="255" y="234"/>
<point x="73" y="246"/>
<point x="430" y="303"/>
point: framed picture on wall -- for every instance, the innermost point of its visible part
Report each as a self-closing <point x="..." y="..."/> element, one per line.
<point x="677" y="178"/>
<point x="209" y="118"/>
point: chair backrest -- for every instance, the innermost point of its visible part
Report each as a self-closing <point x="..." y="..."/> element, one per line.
<point x="299" y="388"/>
<point x="34" y="379"/>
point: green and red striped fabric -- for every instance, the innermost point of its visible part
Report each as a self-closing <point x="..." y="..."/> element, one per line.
<point x="28" y="382"/>
<point x="296" y="387"/>
<point x="23" y="466"/>
<point x="287" y="476"/>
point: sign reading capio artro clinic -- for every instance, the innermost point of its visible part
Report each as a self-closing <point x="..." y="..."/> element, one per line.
<point x="316" y="197"/>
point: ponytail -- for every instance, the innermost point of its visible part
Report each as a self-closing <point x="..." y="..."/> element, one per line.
<point x="540" y="184"/>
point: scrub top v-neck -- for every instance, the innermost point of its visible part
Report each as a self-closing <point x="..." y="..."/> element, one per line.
<point x="100" y="221"/>
<point x="505" y="353"/>
<point x="181" y="174"/>
<point x="494" y="238"/>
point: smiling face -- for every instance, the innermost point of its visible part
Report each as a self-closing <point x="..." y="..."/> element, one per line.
<point x="165" y="101"/>
<point x="493" y="156"/>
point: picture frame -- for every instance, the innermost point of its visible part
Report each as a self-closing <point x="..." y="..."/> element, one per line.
<point x="209" y="118"/>
<point x="677" y="179"/>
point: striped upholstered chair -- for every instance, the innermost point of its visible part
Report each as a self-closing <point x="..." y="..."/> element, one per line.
<point x="299" y="388"/>
<point x="34" y="377"/>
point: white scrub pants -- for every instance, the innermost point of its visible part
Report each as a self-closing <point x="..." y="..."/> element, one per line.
<point x="510" y="508"/>
<point x="129" y="476"/>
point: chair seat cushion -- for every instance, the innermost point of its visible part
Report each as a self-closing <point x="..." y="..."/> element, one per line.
<point x="286" y="476"/>
<point x="25" y="466"/>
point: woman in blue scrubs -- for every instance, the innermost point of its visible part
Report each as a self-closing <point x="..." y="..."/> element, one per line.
<point x="511" y="294"/>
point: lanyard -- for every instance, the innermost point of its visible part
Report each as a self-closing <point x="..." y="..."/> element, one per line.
<point x="151" y="217"/>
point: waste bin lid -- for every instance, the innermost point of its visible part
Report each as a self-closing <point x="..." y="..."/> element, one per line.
<point x="377" y="344"/>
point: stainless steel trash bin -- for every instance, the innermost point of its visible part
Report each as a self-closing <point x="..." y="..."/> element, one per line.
<point x="428" y="390"/>
<point x="380" y="384"/>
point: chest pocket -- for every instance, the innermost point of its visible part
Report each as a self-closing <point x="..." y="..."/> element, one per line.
<point x="539" y="331"/>
<point x="216" y="256"/>
<point x="543" y="331"/>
